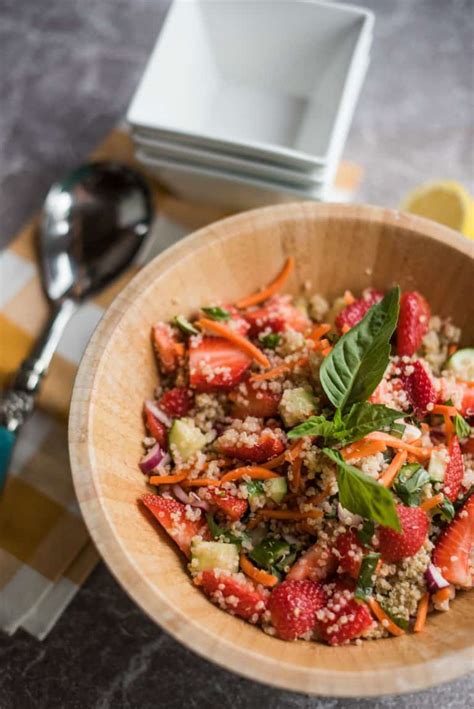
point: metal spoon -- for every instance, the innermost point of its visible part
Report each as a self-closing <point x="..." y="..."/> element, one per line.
<point x="93" y="224"/>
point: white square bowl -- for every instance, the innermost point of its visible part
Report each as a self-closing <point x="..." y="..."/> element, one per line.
<point x="262" y="79"/>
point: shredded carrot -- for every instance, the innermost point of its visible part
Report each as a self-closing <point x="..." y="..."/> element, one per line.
<point x="392" y="442"/>
<point x="444" y="594"/>
<point x="239" y="340"/>
<point x="421" y="613"/>
<point x="169" y="479"/>
<point x="425" y="427"/>
<point x="257" y="575"/>
<point x="384" y="619"/>
<point x="319" y="331"/>
<point x="200" y="482"/>
<point x="362" y="449"/>
<point x="448" y="429"/>
<point x="275" y="462"/>
<point x="322" y="344"/>
<point x="320" y="497"/>
<point x="289" y="514"/>
<point x="294" y="450"/>
<point x="296" y="474"/>
<point x="444" y="410"/>
<point x="326" y="350"/>
<point x="391" y="473"/>
<point x="253" y="471"/>
<point x="345" y="328"/>
<point x="452" y="349"/>
<point x="432" y="502"/>
<point x="271" y="289"/>
<point x="179" y="348"/>
<point x="348" y="297"/>
<point x="280" y="370"/>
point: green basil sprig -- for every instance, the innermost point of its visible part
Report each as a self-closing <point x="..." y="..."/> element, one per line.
<point x="409" y="483"/>
<point x="224" y="535"/>
<point x="363" y="495"/>
<point x="346" y="427"/>
<point x="216" y="313"/>
<point x="357" y="362"/>
<point x="270" y="340"/>
<point x="461" y="427"/>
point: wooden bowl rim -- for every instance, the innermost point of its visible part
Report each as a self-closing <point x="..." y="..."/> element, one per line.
<point x="192" y="634"/>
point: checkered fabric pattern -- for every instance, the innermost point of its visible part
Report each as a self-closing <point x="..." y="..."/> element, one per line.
<point x="45" y="550"/>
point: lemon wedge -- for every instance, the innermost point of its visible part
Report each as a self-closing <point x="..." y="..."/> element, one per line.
<point x="446" y="202"/>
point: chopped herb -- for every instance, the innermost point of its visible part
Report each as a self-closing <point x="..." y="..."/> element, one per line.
<point x="401" y="622"/>
<point x="409" y="483"/>
<point x="185" y="326"/>
<point x="365" y="582"/>
<point x="365" y="534"/>
<point x="445" y="510"/>
<point x="270" y="553"/>
<point x="255" y="488"/>
<point x="463" y="430"/>
<point x="216" y="313"/>
<point x="270" y="341"/>
<point x="223" y="535"/>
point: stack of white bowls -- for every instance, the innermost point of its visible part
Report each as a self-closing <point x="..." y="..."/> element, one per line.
<point x="249" y="102"/>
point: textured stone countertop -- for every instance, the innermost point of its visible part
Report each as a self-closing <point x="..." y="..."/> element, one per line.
<point x="68" y="70"/>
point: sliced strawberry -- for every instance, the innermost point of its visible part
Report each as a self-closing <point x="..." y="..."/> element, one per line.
<point x="171" y="514"/>
<point x="250" y="400"/>
<point x="234" y="593"/>
<point x="413" y="322"/>
<point x="343" y="618"/>
<point x="237" y="322"/>
<point x="267" y="445"/>
<point x="233" y="507"/>
<point x="454" y="471"/>
<point x="395" y="546"/>
<point x="215" y="364"/>
<point x="353" y="313"/>
<point x="317" y="564"/>
<point x="156" y="428"/>
<point x="419" y="388"/>
<point x="167" y="347"/>
<point x="293" y="605"/>
<point x="277" y="314"/>
<point x="349" y="553"/>
<point x="176" y="402"/>
<point x="453" y="551"/>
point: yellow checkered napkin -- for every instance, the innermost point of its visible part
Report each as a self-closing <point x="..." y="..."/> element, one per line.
<point x="45" y="551"/>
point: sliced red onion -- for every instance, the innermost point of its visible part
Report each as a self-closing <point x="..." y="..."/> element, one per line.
<point x="434" y="579"/>
<point x="151" y="460"/>
<point x="180" y="494"/>
<point x="192" y="499"/>
<point x="158" y="413"/>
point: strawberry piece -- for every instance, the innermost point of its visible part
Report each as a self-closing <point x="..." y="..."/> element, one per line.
<point x="249" y="400"/>
<point x="455" y="546"/>
<point x="237" y="322"/>
<point x="266" y="446"/>
<point x="176" y="402"/>
<point x="234" y="593"/>
<point x="215" y="364"/>
<point x="413" y="322"/>
<point x="277" y="314"/>
<point x="293" y="605"/>
<point x="461" y="393"/>
<point x="419" y="389"/>
<point x="395" y="546"/>
<point x="454" y="470"/>
<point x="353" y="313"/>
<point x="167" y="348"/>
<point x="156" y="428"/>
<point x="343" y="618"/>
<point x="233" y="507"/>
<point x="316" y="564"/>
<point x="349" y="552"/>
<point x="171" y="514"/>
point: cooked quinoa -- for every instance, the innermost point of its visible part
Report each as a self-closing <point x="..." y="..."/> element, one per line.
<point x="312" y="497"/>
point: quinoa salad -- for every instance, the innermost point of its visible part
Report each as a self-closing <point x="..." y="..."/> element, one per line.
<point x="313" y="461"/>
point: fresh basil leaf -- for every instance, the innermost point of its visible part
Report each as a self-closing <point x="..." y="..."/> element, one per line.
<point x="363" y="418"/>
<point x="365" y="581"/>
<point x="270" y="341"/>
<point x="185" y="326"/>
<point x="366" y="534"/>
<point x="223" y="535"/>
<point x="270" y="552"/>
<point x="362" y="495"/>
<point x="313" y="426"/>
<point x="216" y="313"/>
<point x="445" y="510"/>
<point x="409" y="483"/>
<point x="461" y="426"/>
<point x="358" y="360"/>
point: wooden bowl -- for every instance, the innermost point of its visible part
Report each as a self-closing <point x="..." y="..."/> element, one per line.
<point x="336" y="247"/>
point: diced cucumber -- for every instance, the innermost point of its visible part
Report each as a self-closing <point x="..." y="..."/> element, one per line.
<point x="206" y="556"/>
<point x="296" y="405"/>
<point x="275" y="489"/>
<point x="185" y="439"/>
<point x="437" y="466"/>
<point x="256" y="494"/>
<point x="462" y="364"/>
